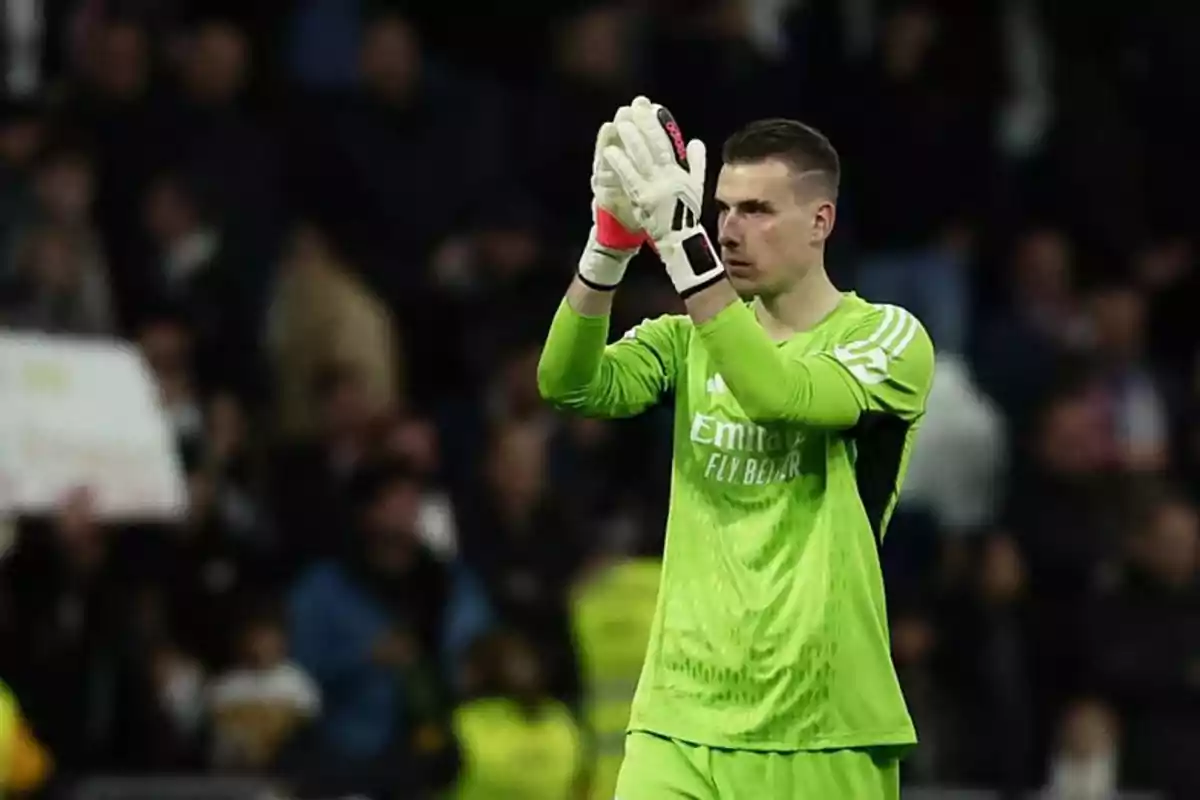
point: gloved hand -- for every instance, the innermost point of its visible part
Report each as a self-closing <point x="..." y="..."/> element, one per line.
<point x="616" y="235"/>
<point x="664" y="180"/>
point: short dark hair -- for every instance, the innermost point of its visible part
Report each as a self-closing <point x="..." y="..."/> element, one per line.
<point x="802" y="147"/>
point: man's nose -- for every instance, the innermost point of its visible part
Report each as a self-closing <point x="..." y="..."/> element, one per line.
<point x="728" y="234"/>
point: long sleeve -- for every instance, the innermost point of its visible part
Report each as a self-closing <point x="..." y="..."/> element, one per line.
<point x="579" y="372"/>
<point x="884" y="364"/>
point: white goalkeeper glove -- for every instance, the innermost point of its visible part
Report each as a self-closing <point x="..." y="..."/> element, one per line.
<point x="664" y="180"/>
<point x="616" y="235"/>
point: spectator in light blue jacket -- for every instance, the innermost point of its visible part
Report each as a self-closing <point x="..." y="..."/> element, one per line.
<point x="381" y="628"/>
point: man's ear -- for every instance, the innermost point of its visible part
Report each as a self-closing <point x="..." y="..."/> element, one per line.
<point x="824" y="217"/>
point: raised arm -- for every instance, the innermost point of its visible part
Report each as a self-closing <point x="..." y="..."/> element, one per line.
<point x="578" y="371"/>
<point x="885" y="364"/>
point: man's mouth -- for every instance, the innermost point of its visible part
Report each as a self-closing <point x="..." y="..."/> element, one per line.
<point x="738" y="264"/>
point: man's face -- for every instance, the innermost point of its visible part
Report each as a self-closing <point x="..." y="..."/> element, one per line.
<point x="391" y="523"/>
<point x="518" y="463"/>
<point x="1169" y="550"/>
<point x="53" y="263"/>
<point x="65" y="187"/>
<point x="347" y="407"/>
<point x="390" y="59"/>
<point x="772" y="225"/>
<point x="217" y="64"/>
<point x="168" y="213"/>
<point x="1042" y="267"/>
<point x="264" y="646"/>
<point x="19" y="140"/>
<point x="120" y="63"/>
<point x="1118" y="318"/>
<point x="166" y="347"/>
<point x="1074" y="439"/>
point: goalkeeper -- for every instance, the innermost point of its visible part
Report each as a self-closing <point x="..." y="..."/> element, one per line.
<point x="768" y="673"/>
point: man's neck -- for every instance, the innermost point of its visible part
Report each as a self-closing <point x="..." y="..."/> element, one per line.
<point x="800" y="308"/>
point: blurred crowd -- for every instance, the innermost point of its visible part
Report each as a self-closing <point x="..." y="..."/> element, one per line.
<point x="337" y="230"/>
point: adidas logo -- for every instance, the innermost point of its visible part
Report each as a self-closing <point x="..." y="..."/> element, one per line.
<point x="716" y="385"/>
<point x="869" y="366"/>
<point x="870" y="359"/>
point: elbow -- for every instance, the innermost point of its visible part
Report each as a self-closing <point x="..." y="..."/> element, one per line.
<point x="547" y="384"/>
<point x="549" y="381"/>
<point x="558" y="393"/>
<point x="576" y="401"/>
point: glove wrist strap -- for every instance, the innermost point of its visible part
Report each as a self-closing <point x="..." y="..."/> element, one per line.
<point x="691" y="262"/>
<point x="602" y="268"/>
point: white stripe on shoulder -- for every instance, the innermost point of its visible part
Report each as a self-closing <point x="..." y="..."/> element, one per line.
<point x="879" y="331"/>
<point x="884" y="326"/>
<point x="900" y="332"/>
<point x="902" y="345"/>
<point x="894" y="325"/>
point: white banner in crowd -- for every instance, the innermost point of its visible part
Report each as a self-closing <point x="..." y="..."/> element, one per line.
<point x="84" y="413"/>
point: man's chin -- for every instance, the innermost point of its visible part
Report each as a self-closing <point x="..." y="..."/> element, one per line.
<point x="745" y="286"/>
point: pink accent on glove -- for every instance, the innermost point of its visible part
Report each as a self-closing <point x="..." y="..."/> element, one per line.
<point x="612" y="234"/>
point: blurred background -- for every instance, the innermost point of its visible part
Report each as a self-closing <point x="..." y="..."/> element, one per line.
<point x="336" y="231"/>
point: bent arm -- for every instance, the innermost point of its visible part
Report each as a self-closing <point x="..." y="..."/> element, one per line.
<point x="827" y="390"/>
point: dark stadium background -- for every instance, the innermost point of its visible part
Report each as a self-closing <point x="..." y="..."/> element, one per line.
<point x="338" y="230"/>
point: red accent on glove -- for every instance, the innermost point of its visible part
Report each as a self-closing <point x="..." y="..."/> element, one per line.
<point x="672" y="128"/>
<point x="611" y="233"/>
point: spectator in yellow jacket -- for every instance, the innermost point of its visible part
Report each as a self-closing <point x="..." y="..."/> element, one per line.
<point x="24" y="763"/>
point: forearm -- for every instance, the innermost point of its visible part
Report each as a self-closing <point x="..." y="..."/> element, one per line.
<point x="706" y="304"/>
<point x="569" y="366"/>
<point x="768" y="385"/>
<point x="575" y="344"/>
<point x="589" y="302"/>
<point x="579" y="372"/>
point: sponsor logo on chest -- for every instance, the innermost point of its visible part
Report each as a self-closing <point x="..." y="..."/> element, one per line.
<point x="738" y="451"/>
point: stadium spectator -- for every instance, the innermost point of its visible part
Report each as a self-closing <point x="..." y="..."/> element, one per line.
<point x="517" y="740"/>
<point x="380" y="630"/>
<point x="1143" y="648"/>
<point x="262" y="705"/>
<point x="528" y="549"/>
<point x="321" y="314"/>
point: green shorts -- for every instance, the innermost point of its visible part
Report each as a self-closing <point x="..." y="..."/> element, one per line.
<point x="656" y="768"/>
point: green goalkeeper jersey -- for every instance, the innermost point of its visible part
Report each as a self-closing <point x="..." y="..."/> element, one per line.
<point x="771" y="629"/>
